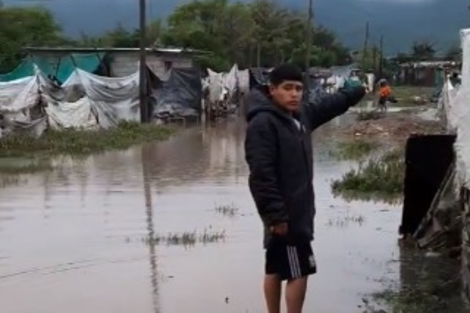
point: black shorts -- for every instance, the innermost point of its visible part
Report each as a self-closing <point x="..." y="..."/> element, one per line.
<point x="290" y="261"/>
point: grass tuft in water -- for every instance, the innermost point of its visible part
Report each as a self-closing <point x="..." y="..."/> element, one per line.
<point x="346" y="220"/>
<point x="354" y="150"/>
<point x="11" y="180"/>
<point x="382" y="177"/>
<point x="27" y="167"/>
<point x="187" y="238"/>
<point x="229" y="210"/>
<point x="81" y="142"/>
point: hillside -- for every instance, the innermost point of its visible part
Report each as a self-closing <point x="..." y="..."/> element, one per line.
<point x="399" y="21"/>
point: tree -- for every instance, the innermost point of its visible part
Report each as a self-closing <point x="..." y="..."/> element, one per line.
<point x="233" y="32"/>
<point x="238" y="33"/>
<point x="423" y="50"/>
<point x="21" y="27"/>
<point x="454" y="53"/>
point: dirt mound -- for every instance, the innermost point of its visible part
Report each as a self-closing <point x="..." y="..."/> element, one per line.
<point x="393" y="127"/>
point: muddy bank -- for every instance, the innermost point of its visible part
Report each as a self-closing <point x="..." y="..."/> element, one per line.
<point x="393" y="127"/>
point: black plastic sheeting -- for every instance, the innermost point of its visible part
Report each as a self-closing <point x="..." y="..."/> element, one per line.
<point x="428" y="158"/>
<point x="180" y="95"/>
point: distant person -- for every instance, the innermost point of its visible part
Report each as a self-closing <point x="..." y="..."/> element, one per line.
<point x="278" y="150"/>
<point x="455" y="79"/>
<point x="385" y="95"/>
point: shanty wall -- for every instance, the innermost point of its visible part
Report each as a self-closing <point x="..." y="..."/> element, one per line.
<point x="125" y="63"/>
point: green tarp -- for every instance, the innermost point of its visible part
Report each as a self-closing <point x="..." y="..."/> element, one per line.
<point x="60" y="67"/>
<point x="25" y="69"/>
<point x="350" y="83"/>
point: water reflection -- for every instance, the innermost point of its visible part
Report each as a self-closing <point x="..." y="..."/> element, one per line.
<point x="150" y="226"/>
<point x="70" y="240"/>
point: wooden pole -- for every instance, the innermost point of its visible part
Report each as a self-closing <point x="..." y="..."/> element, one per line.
<point x="366" y="44"/>
<point x="143" y="63"/>
<point x="308" y="42"/>
<point x="381" y="56"/>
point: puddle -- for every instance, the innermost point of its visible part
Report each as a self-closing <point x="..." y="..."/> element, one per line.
<point x="72" y="240"/>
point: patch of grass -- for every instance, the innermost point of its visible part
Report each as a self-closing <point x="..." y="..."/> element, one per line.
<point x="375" y="197"/>
<point x="187" y="238"/>
<point x="229" y="210"/>
<point x="355" y="149"/>
<point x="383" y="176"/>
<point x="80" y="142"/>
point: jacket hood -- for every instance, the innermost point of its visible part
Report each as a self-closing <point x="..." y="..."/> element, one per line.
<point x="258" y="101"/>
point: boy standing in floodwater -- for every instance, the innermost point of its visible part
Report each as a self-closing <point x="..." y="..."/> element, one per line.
<point x="279" y="153"/>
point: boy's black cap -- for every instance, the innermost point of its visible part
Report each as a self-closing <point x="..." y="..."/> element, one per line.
<point x="285" y="72"/>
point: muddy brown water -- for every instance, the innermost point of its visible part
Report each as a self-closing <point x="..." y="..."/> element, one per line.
<point x="71" y="240"/>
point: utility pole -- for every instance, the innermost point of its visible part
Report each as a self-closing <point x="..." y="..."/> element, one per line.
<point x="366" y="44"/>
<point x="143" y="63"/>
<point x="308" y="50"/>
<point x="258" y="54"/>
<point x="374" y="58"/>
<point x="381" y="56"/>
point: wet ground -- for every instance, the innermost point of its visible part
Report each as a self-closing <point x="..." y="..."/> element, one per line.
<point x="72" y="240"/>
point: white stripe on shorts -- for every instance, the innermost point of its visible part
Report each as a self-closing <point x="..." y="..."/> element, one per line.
<point x="294" y="264"/>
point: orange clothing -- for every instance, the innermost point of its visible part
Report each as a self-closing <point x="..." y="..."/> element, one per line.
<point x="385" y="92"/>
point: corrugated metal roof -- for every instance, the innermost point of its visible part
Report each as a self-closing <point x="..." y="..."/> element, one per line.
<point x="109" y="49"/>
<point x="429" y="64"/>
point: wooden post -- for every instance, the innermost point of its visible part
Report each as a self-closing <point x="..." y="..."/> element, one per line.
<point x="143" y="64"/>
<point x="308" y="50"/>
<point x="381" y="56"/>
<point x="366" y="44"/>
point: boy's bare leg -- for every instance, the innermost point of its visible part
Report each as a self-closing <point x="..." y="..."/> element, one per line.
<point x="295" y="294"/>
<point x="272" y="293"/>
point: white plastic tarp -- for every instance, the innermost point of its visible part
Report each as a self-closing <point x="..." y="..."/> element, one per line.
<point x="114" y="99"/>
<point x="216" y="85"/>
<point x="17" y="96"/>
<point x="243" y="77"/>
<point x="459" y="115"/>
<point x="77" y="114"/>
<point x="370" y="81"/>
<point x="230" y="79"/>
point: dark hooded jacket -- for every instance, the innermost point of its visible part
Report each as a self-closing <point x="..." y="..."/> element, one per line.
<point x="280" y="158"/>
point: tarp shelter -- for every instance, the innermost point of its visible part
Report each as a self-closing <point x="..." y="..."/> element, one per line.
<point x="258" y="76"/>
<point x="316" y="88"/>
<point x="180" y="95"/>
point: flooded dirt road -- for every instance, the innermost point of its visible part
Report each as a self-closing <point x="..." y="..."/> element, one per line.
<point x="74" y="240"/>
